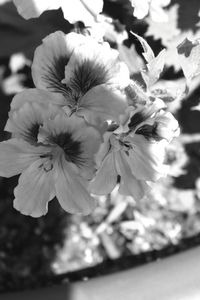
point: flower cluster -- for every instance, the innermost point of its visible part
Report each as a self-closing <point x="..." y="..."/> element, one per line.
<point x="85" y="128"/>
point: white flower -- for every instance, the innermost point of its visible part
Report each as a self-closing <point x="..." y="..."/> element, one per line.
<point x="153" y="7"/>
<point x="135" y="151"/>
<point x="75" y="10"/>
<point x="55" y="155"/>
<point x="87" y="74"/>
<point x="136" y="160"/>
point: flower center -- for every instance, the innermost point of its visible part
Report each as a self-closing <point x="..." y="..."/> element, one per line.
<point x="47" y="162"/>
<point x="72" y="149"/>
<point x="87" y="75"/>
<point x="31" y="134"/>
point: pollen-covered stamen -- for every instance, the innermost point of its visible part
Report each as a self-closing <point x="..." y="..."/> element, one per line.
<point x="87" y="75"/>
<point x="72" y="149"/>
<point x="47" y="162"/>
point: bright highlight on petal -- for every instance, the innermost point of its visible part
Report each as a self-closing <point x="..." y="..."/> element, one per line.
<point x="76" y="10"/>
<point x="82" y="10"/>
<point x="102" y="103"/>
<point x="49" y="63"/>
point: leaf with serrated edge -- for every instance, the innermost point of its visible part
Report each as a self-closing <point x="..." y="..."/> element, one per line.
<point x="155" y="68"/>
<point x="148" y="52"/>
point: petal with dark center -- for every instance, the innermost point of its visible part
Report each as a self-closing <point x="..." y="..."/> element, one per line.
<point x="26" y="121"/>
<point x="16" y="156"/>
<point x="93" y="64"/>
<point x="71" y="189"/>
<point x="146" y="158"/>
<point x="50" y="59"/>
<point x="78" y="141"/>
<point x="35" y="189"/>
<point x="144" y="113"/>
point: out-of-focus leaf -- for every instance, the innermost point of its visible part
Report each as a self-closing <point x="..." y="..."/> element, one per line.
<point x="165" y="31"/>
<point x="19" y="35"/>
<point x="171" y="92"/>
<point x="148" y="52"/>
<point x="169" y="32"/>
<point x="189" y="57"/>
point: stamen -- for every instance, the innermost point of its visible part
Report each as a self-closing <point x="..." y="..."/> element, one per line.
<point x="47" y="165"/>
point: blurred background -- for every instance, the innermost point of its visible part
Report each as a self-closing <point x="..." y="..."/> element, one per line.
<point x="119" y="234"/>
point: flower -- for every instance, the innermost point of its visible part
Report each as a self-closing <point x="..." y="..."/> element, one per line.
<point x="135" y="151"/>
<point x="86" y="73"/>
<point x="55" y="155"/>
<point x="76" y="10"/>
<point x="153" y="7"/>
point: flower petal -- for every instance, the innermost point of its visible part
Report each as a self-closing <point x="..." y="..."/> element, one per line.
<point x="129" y="185"/>
<point x="93" y="64"/>
<point x="141" y="8"/>
<point x="73" y="132"/>
<point x="146" y="158"/>
<point x="34" y="191"/>
<point x="33" y="8"/>
<point x="71" y="189"/>
<point x="106" y="177"/>
<point x="90" y="140"/>
<point x="102" y="103"/>
<point x="50" y="59"/>
<point x="35" y="98"/>
<point x="36" y="95"/>
<point x="16" y="156"/>
<point x="26" y="121"/>
<point x="167" y="126"/>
